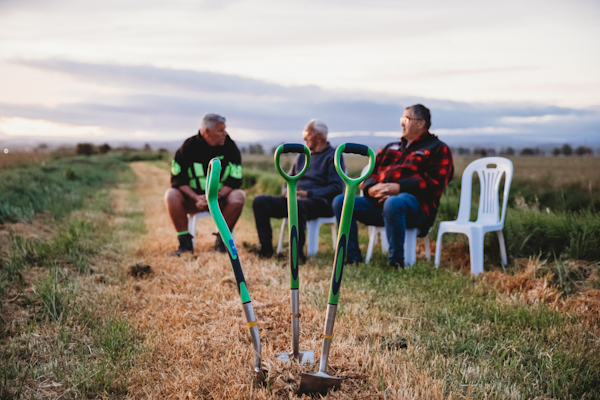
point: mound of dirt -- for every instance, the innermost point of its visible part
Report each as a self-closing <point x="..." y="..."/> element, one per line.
<point x="139" y="270"/>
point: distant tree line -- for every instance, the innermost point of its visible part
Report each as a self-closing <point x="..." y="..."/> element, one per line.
<point x="253" y="149"/>
<point x="565" y="150"/>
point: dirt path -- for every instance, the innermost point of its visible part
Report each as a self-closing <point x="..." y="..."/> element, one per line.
<point x="198" y="342"/>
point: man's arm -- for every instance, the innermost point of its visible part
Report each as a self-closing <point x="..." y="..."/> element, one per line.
<point x="371" y="180"/>
<point x="334" y="186"/>
<point x="435" y="178"/>
<point x="199" y="199"/>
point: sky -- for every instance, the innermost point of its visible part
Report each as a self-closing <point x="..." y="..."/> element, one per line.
<point x="148" y="70"/>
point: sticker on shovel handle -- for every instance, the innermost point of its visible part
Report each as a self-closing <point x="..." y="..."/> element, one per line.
<point x="336" y="279"/>
<point x="294" y="256"/>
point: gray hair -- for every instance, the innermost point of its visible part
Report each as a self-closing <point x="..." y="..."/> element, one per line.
<point x="421" y="112"/>
<point x="210" y="120"/>
<point x="320" y="127"/>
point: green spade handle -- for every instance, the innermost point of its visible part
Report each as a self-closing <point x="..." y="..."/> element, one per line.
<point x="347" y="210"/>
<point x="292" y="203"/>
<point x="212" y="191"/>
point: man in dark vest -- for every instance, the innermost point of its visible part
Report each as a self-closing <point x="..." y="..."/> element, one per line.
<point x="188" y="180"/>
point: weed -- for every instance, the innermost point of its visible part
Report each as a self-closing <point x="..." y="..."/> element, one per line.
<point x="54" y="300"/>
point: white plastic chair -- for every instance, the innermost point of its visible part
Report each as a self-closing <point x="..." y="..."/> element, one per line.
<point x="313" y="227"/>
<point x="489" y="218"/>
<point x="410" y="244"/>
<point x="410" y="241"/>
<point x="193" y="224"/>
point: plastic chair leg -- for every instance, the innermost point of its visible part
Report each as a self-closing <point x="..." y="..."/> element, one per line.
<point x="502" y="247"/>
<point x="334" y="234"/>
<point x="312" y="237"/>
<point x="438" y="247"/>
<point x="427" y="247"/>
<point x="372" y="239"/>
<point x="410" y="247"/>
<point x="281" y="234"/>
<point x="385" y="244"/>
<point x="476" y="250"/>
<point x="192" y="224"/>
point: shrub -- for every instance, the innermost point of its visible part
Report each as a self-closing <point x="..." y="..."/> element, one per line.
<point x="85" y="149"/>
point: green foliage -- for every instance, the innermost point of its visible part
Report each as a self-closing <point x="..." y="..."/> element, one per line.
<point x="258" y="182"/>
<point x="59" y="186"/>
<point x="571" y="235"/>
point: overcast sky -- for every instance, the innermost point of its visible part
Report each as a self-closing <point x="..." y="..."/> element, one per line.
<point x="150" y="70"/>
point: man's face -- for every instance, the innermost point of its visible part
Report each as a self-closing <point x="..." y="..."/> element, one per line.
<point x="311" y="137"/>
<point x="215" y="136"/>
<point x="411" y="126"/>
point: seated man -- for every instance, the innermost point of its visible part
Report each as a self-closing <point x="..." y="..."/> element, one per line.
<point x="188" y="180"/>
<point x="315" y="190"/>
<point x="404" y="190"/>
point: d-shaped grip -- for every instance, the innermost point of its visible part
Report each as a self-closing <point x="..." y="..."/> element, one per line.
<point x="292" y="148"/>
<point x="354" y="148"/>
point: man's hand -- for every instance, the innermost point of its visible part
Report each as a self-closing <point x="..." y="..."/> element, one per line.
<point x="381" y="191"/>
<point x="201" y="203"/>
<point x="300" y="194"/>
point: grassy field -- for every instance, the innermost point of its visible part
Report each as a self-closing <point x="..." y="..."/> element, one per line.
<point x="78" y="322"/>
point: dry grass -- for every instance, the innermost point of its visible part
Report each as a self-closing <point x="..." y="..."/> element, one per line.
<point x="530" y="287"/>
<point x="199" y="342"/>
<point x="21" y="158"/>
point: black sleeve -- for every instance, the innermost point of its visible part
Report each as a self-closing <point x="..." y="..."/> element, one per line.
<point x="232" y="172"/>
<point x="179" y="167"/>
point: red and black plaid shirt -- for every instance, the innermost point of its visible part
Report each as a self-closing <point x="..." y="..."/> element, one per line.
<point x="422" y="169"/>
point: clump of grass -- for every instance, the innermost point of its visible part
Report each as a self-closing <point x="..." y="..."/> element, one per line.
<point x="55" y="301"/>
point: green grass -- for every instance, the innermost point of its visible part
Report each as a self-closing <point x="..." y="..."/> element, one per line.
<point x="57" y="186"/>
<point x="71" y="334"/>
<point x="463" y="333"/>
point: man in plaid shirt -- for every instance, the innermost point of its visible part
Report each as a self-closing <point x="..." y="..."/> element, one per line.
<point x="404" y="190"/>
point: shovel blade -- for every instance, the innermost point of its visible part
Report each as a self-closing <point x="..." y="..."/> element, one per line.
<point x="318" y="383"/>
<point x="305" y="357"/>
<point x="259" y="377"/>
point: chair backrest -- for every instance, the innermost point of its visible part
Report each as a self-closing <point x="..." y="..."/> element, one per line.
<point x="489" y="171"/>
<point x="364" y="170"/>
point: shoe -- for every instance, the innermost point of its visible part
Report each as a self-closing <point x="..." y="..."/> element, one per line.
<point x="185" y="245"/>
<point x="265" y="251"/>
<point x="219" y="244"/>
<point x="397" y="265"/>
<point x="353" y="260"/>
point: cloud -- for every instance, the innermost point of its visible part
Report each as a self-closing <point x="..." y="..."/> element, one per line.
<point x="170" y="103"/>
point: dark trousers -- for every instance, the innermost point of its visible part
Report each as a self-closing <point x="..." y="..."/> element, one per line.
<point x="267" y="207"/>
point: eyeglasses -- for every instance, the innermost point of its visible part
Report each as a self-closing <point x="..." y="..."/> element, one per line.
<point x="406" y="119"/>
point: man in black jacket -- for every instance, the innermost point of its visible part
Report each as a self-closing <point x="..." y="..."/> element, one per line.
<point x="188" y="180"/>
<point x="315" y="190"/>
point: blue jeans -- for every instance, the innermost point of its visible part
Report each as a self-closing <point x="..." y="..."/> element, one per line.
<point x="399" y="213"/>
